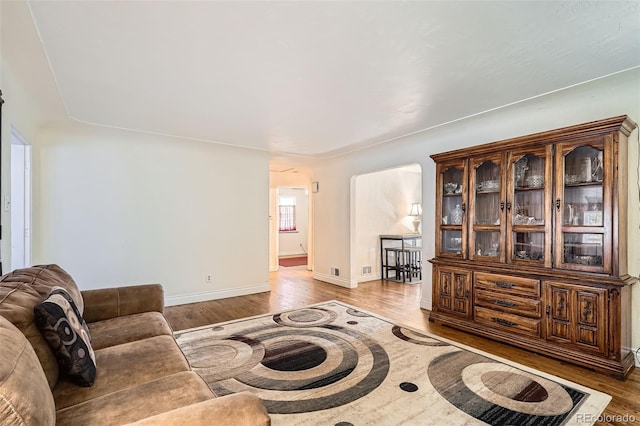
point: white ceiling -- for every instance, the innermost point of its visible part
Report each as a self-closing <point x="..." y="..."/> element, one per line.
<point x="319" y="78"/>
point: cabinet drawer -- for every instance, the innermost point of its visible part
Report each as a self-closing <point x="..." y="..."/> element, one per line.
<point x="505" y="321"/>
<point x="507" y="284"/>
<point x="508" y="303"/>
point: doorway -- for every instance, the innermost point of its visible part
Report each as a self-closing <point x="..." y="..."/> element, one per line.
<point x="293" y="226"/>
<point x="20" y="205"/>
<point x="284" y="177"/>
<point x="383" y="203"/>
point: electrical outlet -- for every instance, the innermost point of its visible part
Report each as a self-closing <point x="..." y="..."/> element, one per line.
<point x="335" y="271"/>
<point x="208" y="278"/>
<point x="366" y="270"/>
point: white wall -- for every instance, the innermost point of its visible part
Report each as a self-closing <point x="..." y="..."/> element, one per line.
<point x="119" y="207"/>
<point x="382" y="206"/>
<point x="31" y="97"/>
<point x="116" y="207"/>
<point x="615" y="95"/>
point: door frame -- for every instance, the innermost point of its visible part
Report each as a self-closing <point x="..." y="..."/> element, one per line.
<point x="19" y="205"/>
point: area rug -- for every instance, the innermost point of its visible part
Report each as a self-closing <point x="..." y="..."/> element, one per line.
<point x="334" y="364"/>
<point x="292" y="261"/>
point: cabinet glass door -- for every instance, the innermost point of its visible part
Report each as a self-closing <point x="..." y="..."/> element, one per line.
<point x="528" y="207"/>
<point x="583" y="206"/>
<point x="451" y="215"/>
<point x="487" y="209"/>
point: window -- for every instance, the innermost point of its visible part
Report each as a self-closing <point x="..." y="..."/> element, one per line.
<point x="287" y="212"/>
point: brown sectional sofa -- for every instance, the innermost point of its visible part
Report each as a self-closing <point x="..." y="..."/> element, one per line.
<point x="142" y="376"/>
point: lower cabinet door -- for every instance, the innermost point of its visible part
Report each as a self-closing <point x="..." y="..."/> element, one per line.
<point x="576" y="315"/>
<point x="452" y="291"/>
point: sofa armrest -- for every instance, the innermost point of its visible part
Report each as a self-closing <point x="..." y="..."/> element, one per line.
<point x="109" y="303"/>
<point x="239" y="409"/>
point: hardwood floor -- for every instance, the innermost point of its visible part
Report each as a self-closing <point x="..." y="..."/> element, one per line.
<point x="294" y="288"/>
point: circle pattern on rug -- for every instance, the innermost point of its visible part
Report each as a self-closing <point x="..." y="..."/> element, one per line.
<point x="307" y="317"/>
<point x="293" y="355"/>
<point x="498" y="393"/>
<point x="357" y="313"/>
<point x="414" y="337"/>
<point x="221" y="359"/>
<point x="408" y="387"/>
<point x="514" y="386"/>
<point x="293" y="367"/>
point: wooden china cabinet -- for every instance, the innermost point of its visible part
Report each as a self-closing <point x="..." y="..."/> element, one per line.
<point x="531" y="243"/>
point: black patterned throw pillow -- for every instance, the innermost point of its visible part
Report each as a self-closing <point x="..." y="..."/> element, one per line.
<point x="62" y="326"/>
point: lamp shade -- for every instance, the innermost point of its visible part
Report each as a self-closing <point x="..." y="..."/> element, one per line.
<point x="416" y="210"/>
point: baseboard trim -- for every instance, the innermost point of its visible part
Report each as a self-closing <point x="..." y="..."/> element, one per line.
<point x="213" y="295"/>
<point x="426" y="304"/>
<point x="367" y="277"/>
<point x="331" y="279"/>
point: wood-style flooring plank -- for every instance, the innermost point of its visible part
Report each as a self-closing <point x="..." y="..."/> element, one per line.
<point x="294" y="288"/>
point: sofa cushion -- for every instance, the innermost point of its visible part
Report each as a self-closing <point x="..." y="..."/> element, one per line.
<point x="66" y="332"/>
<point x="106" y="303"/>
<point x="25" y="398"/>
<point x="124" y="366"/>
<point x="237" y="409"/>
<point x="138" y="402"/>
<point x="20" y="291"/>
<point x="119" y="330"/>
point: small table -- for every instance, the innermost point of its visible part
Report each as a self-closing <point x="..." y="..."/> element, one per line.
<point x="407" y="258"/>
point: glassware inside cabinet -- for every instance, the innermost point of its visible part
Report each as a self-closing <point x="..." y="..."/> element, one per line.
<point x="583" y="188"/>
<point x="519" y="170"/>
<point x="583" y="206"/>
<point x="452" y="242"/>
<point x="528" y="178"/>
<point x="452" y="211"/>
<point x="528" y="172"/>
<point x="487" y="243"/>
<point x="528" y="208"/>
<point x="488" y="177"/>
<point x="528" y="246"/>
<point x="583" y="249"/>
<point x="583" y="166"/>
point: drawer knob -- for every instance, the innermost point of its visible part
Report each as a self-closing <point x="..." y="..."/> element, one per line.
<point x="504" y="322"/>
<point x="505" y="303"/>
<point x="503" y="284"/>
